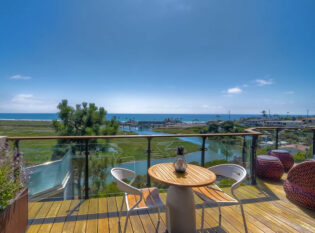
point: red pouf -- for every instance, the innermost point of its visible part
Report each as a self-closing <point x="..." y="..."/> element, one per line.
<point x="300" y="184"/>
<point x="285" y="157"/>
<point x="269" y="167"/>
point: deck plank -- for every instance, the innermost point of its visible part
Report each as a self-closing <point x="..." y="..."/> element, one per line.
<point x="129" y="229"/>
<point x="92" y="220"/>
<point x="113" y="213"/>
<point x="266" y="210"/>
<point x="102" y="217"/>
<point x="52" y="213"/>
<point x="80" y="224"/>
<point x="62" y="213"/>
<point x="69" y="225"/>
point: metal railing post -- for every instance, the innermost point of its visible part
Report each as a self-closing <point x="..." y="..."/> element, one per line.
<point x="313" y="143"/>
<point x="86" y="173"/>
<point x="16" y="154"/>
<point x="203" y="149"/>
<point x="244" y="152"/>
<point x="253" y="160"/>
<point x="149" y="161"/>
<point x="277" y="138"/>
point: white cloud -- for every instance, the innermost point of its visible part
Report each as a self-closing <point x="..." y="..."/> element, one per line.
<point x="245" y="85"/>
<point x="27" y="103"/>
<point x="263" y="82"/>
<point x="289" y="92"/>
<point x="22" y="98"/>
<point x="18" y="76"/>
<point x="234" y="90"/>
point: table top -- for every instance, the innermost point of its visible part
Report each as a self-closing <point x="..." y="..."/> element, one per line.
<point x="195" y="176"/>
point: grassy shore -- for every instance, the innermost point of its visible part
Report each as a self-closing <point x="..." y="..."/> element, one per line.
<point x="40" y="151"/>
<point x="181" y="130"/>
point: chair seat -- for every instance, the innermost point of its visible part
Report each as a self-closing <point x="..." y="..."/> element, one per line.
<point x="213" y="193"/>
<point x="150" y="199"/>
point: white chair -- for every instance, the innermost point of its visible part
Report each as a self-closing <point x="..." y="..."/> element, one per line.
<point x="213" y="194"/>
<point x="135" y="199"/>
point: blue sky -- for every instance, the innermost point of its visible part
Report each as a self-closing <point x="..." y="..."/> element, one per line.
<point x="158" y="56"/>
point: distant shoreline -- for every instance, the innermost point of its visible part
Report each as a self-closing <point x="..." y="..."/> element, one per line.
<point x="134" y="116"/>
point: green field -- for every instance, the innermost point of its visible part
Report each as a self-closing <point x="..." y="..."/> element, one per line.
<point x="40" y="151"/>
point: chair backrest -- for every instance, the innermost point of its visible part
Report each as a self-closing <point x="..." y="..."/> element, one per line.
<point x="232" y="171"/>
<point x="119" y="175"/>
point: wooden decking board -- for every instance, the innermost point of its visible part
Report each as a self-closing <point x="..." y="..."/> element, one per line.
<point x="283" y="215"/>
<point x="69" y="225"/>
<point x="119" y="200"/>
<point x="113" y="214"/>
<point x="62" y="213"/>
<point x="52" y="213"/>
<point x="102" y="218"/>
<point x="266" y="210"/>
<point x="81" y="223"/>
<point x="92" y="216"/>
<point x="268" y="218"/>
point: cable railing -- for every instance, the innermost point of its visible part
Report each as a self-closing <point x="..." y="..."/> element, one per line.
<point x="244" y="145"/>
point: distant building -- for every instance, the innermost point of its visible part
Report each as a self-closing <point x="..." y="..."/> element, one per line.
<point x="254" y="122"/>
<point x="308" y="120"/>
<point x="272" y="123"/>
<point x="283" y="123"/>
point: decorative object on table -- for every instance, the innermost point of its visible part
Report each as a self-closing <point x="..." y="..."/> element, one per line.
<point x="135" y="199"/>
<point x="180" y="164"/>
<point x="13" y="194"/>
<point x="213" y="193"/>
<point x="269" y="167"/>
<point x="300" y="184"/>
<point x="285" y="157"/>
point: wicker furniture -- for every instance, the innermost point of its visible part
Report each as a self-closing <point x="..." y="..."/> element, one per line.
<point x="136" y="199"/>
<point x="285" y="157"/>
<point x="269" y="167"/>
<point x="300" y="184"/>
<point x="180" y="204"/>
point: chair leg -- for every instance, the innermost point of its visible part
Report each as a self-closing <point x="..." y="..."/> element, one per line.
<point x="202" y="216"/>
<point x="220" y="215"/>
<point x="159" y="215"/>
<point x="125" y="228"/>
<point x="121" y="207"/>
<point x="243" y="215"/>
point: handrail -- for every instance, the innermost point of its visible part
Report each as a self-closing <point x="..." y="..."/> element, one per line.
<point x="248" y="132"/>
<point x="252" y="133"/>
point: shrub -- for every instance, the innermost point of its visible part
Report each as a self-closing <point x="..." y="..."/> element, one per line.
<point x="12" y="178"/>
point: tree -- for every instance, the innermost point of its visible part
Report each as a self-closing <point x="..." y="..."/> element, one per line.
<point x="84" y="119"/>
<point x="228" y="126"/>
<point x="213" y="128"/>
<point x="264" y="113"/>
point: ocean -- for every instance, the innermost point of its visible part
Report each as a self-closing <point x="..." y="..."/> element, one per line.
<point x="126" y="117"/>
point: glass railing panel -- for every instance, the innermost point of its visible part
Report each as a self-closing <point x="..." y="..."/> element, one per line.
<point x="51" y="179"/>
<point x="298" y="143"/>
<point x="223" y="150"/>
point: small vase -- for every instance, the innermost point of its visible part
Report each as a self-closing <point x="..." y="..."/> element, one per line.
<point x="180" y="164"/>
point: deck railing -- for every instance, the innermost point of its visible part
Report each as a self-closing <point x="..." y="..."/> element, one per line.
<point x="251" y="132"/>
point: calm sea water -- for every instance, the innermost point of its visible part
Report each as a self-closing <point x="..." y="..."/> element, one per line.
<point x="125" y="117"/>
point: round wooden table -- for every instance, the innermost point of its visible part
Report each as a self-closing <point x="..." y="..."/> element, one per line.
<point x="180" y="205"/>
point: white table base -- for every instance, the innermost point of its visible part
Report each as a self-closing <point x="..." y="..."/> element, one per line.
<point x="180" y="210"/>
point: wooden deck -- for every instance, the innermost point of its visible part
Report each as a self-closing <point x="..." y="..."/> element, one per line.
<point x="266" y="210"/>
